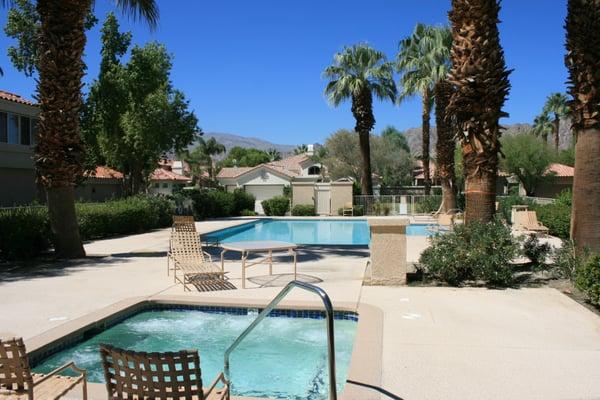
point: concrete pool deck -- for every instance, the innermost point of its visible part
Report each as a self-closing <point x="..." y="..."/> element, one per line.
<point x="468" y="343"/>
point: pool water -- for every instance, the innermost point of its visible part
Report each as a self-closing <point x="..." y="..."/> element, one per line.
<point x="282" y="358"/>
<point x="308" y="232"/>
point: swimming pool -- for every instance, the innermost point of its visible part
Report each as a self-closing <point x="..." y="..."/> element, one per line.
<point x="284" y="357"/>
<point x="305" y="231"/>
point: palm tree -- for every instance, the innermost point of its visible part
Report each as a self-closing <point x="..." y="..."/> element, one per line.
<point x="357" y="73"/>
<point x="301" y="149"/>
<point x="481" y="85"/>
<point x="445" y="145"/>
<point x="556" y="104"/>
<point x="274" y="154"/>
<point x="205" y="152"/>
<point x="543" y="126"/>
<point x="60" y="152"/>
<point x="422" y="61"/>
<point x="583" y="62"/>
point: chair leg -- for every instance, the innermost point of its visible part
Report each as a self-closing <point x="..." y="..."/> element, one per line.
<point x="84" y="388"/>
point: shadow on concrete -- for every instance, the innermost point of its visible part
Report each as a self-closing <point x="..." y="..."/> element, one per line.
<point x="376" y="388"/>
<point x="305" y="253"/>
<point x="280" y="280"/>
<point x="46" y="268"/>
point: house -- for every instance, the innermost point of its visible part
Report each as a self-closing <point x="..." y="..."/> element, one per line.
<point x="268" y="180"/>
<point x="102" y="184"/>
<point x="560" y="179"/>
<point x="300" y="173"/>
<point x="169" y="176"/>
<point x="18" y="127"/>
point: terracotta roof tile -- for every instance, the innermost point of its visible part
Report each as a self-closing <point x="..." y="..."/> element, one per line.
<point x="560" y="170"/>
<point x="16" y="98"/>
<point x="103" y="172"/>
<point x="233" y="172"/>
<point x="160" y="174"/>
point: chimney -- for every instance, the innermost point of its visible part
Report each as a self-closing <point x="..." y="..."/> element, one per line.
<point x="311" y="150"/>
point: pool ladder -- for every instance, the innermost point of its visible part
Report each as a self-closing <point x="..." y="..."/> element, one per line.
<point x="263" y="314"/>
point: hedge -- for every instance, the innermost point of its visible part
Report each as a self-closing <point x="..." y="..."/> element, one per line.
<point x="218" y="203"/>
<point x="304" y="210"/>
<point x="25" y="231"/>
<point x="277" y="206"/>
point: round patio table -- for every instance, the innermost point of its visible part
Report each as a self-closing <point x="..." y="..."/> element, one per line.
<point x="258" y="246"/>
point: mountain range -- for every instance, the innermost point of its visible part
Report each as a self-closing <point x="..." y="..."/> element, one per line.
<point x="413" y="136"/>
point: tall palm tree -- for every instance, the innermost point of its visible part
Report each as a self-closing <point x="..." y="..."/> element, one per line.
<point x="481" y="85"/>
<point x="556" y="104"/>
<point x="423" y="60"/>
<point x="583" y="62"/>
<point x="274" y="154"/>
<point x="543" y="126"/>
<point x="445" y="145"/>
<point x="60" y="152"/>
<point x="357" y="73"/>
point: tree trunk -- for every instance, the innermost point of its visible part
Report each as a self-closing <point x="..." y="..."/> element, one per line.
<point x="481" y="197"/>
<point x="362" y="109"/>
<point x="136" y="180"/>
<point x="585" y="217"/>
<point x="556" y="131"/>
<point x="63" y="222"/>
<point x="60" y="153"/>
<point x="426" y="139"/>
<point x="445" y="146"/>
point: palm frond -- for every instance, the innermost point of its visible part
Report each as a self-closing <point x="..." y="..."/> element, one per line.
<point x="140" y="9"/>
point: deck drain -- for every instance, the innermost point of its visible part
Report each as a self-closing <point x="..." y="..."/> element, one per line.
<point x="411" y="316"/>
<point x="58" y="318"/>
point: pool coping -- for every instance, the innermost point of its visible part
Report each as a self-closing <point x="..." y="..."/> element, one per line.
<point x="365" y="363"/>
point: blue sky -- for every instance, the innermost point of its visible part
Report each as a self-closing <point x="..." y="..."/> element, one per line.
<point x="254" y="67"/>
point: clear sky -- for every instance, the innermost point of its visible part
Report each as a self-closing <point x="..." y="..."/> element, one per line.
<point x="254" y="67"/>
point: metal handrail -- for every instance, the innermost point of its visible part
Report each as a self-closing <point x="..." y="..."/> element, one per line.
<point x="263" y="314"/>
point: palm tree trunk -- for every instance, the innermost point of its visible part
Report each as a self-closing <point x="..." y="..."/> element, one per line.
<point x="480" y="191"/>
<point x="426" y="139"/>
<point x="362" y="109"/>
<point x="585" y="218"/>
<point x="556" y="131"/>
<point x="445" y="146"/>
<point x="60" y="152"/>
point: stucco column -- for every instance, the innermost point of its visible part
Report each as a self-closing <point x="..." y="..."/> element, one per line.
<point x="388" y="251"/>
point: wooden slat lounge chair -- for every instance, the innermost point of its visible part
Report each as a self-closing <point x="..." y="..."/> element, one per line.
<point x="164" y="376"/>
<point x="193" y="265"/>
<point x="183" y="219"/>
<point x="527" y="221"/>
<point x="17" y="382"/>
<point x="348" y="209"/>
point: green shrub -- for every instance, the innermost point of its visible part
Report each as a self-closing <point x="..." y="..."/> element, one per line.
<point x="505" y="205"/>
<point x="24" y="232"/>
<point x="248" y="213"/>
<point x="428" y="204"/>
<point x="304" y="210"/>
<point x="588" y="279"/>
<point x="567" y="260"/>
<point x="242" y="201"/>
<point x="212" y="203"/>
<point x="472" y="252"/>
<point x="382" y="208"/>
<point x="557" y="217"/>
<point x="536" y="251"/>
<point x="125" y="216"/>
<point x="357" y="211"/>
<point x="277" y="206"/>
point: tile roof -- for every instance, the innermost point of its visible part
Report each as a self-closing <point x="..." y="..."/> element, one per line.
<point x="160" y="174"/>
<point x="289" y="166"/>
<point x="4" y="95"/>
<point x="560" y="170"/>
<point x="103" y="172"/>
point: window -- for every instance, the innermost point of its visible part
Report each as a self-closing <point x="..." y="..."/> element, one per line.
<point x="3" y="127"/>
<point x="165" y="185"/>
<point x="314" y="170"/>
<point x="25" y="131"/>
<point x="156" y="185"/>
<point x="13" y="129"/>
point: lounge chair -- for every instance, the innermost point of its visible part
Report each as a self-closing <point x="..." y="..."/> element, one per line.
<point x="170" y="375"/>
<point x="17" y="382"/>
<point x="348" y="209"/>
<point x="446" y="221"/>
<point x="527" y="221"/>
<point x="181" y="223"/>
<point x="193" y="264"/>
